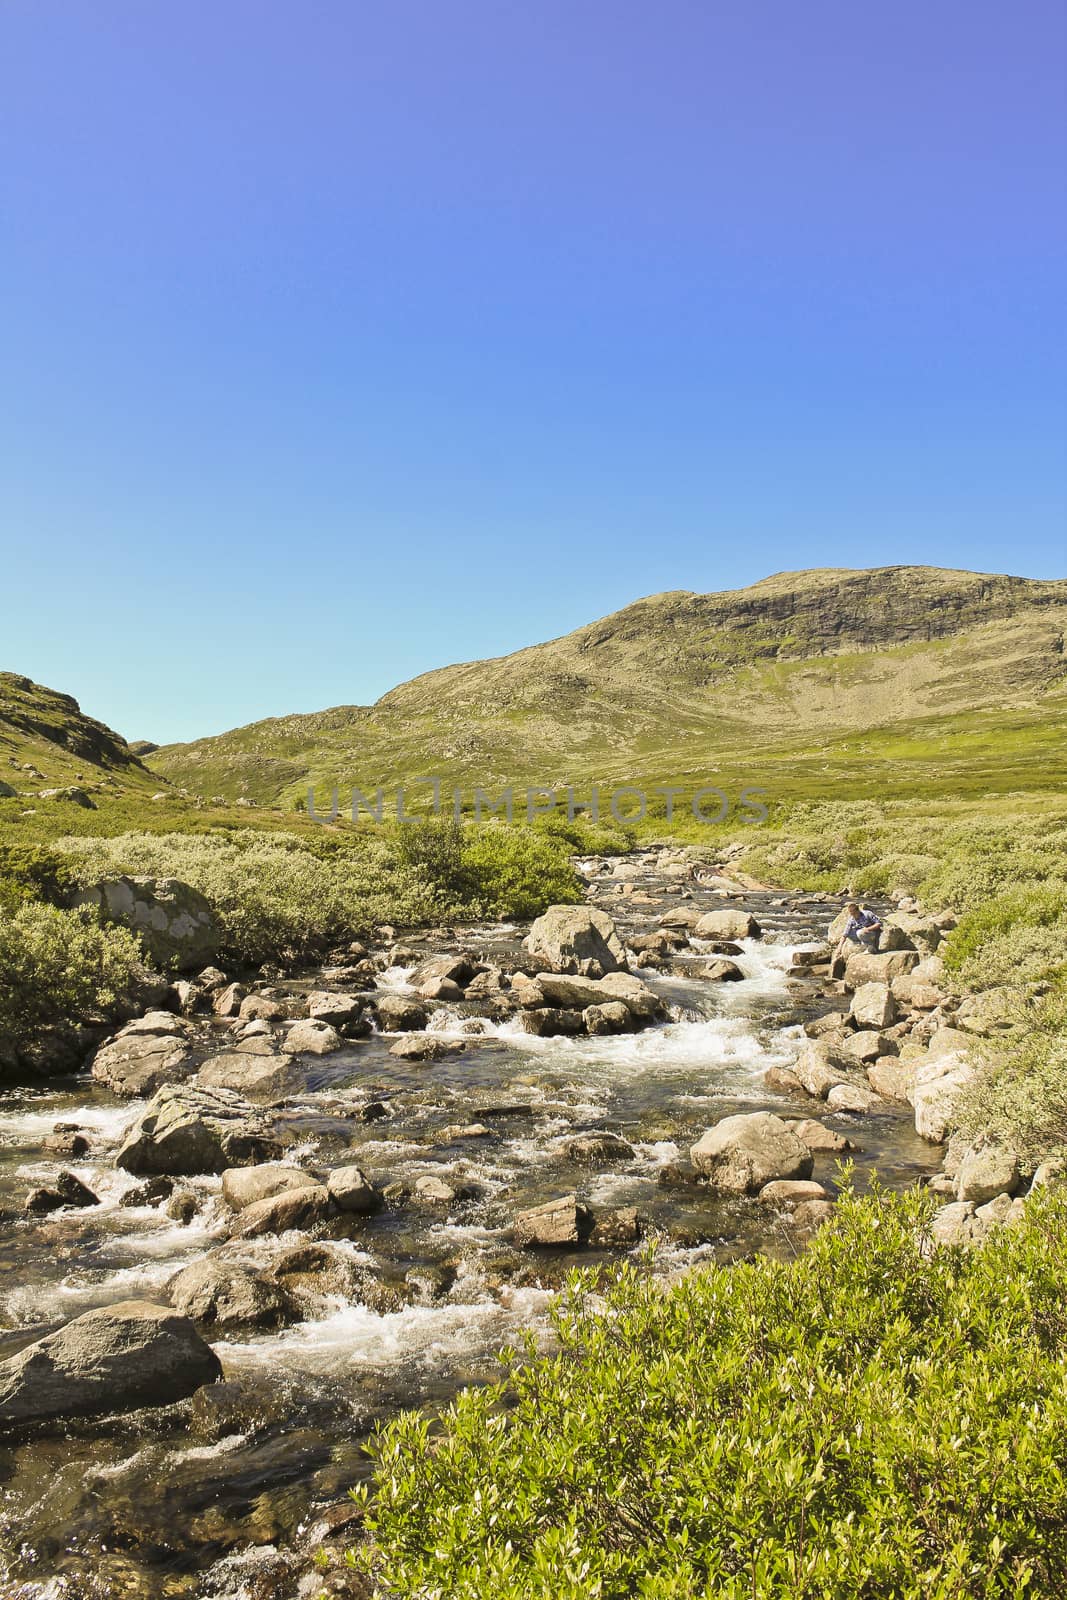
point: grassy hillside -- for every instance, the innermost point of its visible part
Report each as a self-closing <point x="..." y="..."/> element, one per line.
<point x="47" y="741"/>
<point x="896" y="676"/>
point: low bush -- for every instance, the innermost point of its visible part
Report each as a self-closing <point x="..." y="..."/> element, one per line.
<point x="58" y="966"/>
<point x="871" y="1419"/>
<point x="1020" y="1093"/>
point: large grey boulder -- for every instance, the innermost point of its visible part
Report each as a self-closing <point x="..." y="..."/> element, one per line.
<point x="173" y="921"/>
<point x="741" y="1154"/>
<point x="873" y="1006"/>
<point x="220" y="1293"/>
<point x="399" y="1013"/>
<point x="987" y="1170"/>
<point x="293" y="1209"/>
<point x="311" y="1037"/>
<point x="188" y="1129"/>
<point x="727" y="924"/>
<point x="578" y="939"/>
<point x="573" y="993"/>
<point x="117" y="1358"/>
<point x="146" y="1054"/>
<point x="352" y="1191"/>
<point x="867" y="968"/>
<point x="821" y="1066"/>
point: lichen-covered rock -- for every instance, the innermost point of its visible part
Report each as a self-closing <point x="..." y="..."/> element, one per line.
<point x="940" y="1075"/>
<point x="220" y="1293"/>
<point x="987" y="1170"/>
<point x="174" y="921"/>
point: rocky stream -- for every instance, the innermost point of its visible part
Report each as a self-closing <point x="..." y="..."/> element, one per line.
<point x="419" y="1141"/>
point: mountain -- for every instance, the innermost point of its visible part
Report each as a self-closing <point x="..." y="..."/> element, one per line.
<point x="798" y="665"/>
<point x="47" y="741"/>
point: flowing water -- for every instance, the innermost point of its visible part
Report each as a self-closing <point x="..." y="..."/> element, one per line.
<point x="225" y="1495"/>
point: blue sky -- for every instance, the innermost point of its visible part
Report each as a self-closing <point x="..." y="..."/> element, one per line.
<point x="345" y="340"/>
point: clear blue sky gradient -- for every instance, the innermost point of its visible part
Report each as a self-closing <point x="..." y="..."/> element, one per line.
<point x="344" y="340"/>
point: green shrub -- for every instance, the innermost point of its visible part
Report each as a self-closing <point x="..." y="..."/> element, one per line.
<point x="32" y="872"/>
<point x="59" y="966"/>
<point x="1020" y="1092"/>
<point x="872" y="1419"/>
<point x="1017" y="936"/>
<point x="517" y="871"/>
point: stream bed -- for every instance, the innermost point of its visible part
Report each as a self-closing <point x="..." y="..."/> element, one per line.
<point x="227" y="1494"/>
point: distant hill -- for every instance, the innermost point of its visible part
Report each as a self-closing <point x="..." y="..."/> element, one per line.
<point x="47" y="742"/>
<point x="818" y="668"/>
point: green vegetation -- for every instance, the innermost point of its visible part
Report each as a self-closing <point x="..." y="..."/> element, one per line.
<point x="59" y="967"/>
<point x="872" y="1419"/>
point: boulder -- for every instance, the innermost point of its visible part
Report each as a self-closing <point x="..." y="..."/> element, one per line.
<point x="819" y="1138"/>
<point x="987" y="1170"/>
<point x="923" y="933"/>
<point x="247" y="1186"/>
<point x="641" y="1000"/>
<point x="954" y="1224"/>
<point x="314" y="1275"/>
<point x="399" y="1013"/>
<point x="940" y="1075"/>
<point x="227" y="1001"/>
<point x="550" y="1022"/>
<point x="174" y="922"/>
<point x="599" y="1147"/>
<point x="812" y="1214"/>
<point x="611" y="1017"/>
<point x="424" y="1047"/>
<point x="723" y="972"/>
<point x="873" y="1006"/>
<point x="614" y="1230"/>
<point x="187" y="1129"/>
<point x="219" y="1293"/>
<point x="448" y="969"/>
<point x="436" y="1191"/>
<point x="782" y="1081"/>
<point x="865" y="1046"/>
<point x="339" y="1010"/>
<point x="67" y="1190"/>
<point x="353" y="1191"/>
<point x="117" y="1358"/>
<point x="727" y="924"/>
<point x="742" y="1153"/>
<point x="577" y="939"/>
<point x="311" y="1037"/>
<point x="892" y="1078"/>
<point x="263" y="1078"/>
<point x="439" y="989"/>
<point x="820" y="1066"/>
<point x="292" y="1209"/>
<point x="791" y="1191"/>
<point x="559" y="1224"/>
<point x="864" y="967"/>
<point x="260" y="1008"/>
<point x="851" y="1097"/>
<point x="146" y="1054"/>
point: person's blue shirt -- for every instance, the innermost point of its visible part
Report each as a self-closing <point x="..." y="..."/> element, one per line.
<point x="863" y="919"/>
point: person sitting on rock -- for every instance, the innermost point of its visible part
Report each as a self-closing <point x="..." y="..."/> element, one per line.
<point x="862" y="928"/>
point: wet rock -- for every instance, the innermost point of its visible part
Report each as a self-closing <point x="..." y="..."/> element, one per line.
<point x="782" y="1081"/>
<point x="182" y="1206"/>
<point x="599" y="1147"/>
<point x="189" y="1129"/>
<point x="470" y="1130"/>
<point x="425" y="1047"/>
<point x="812" y="1214"/>
<point x="261" y="1078"/>
<point x="488" y="985"/>
<point x="560" y="1224"/>
<point x="440" y="989"/>
<point x="742" y="1153"/>
<point x="154" y="1050"/>
<point x="220" y="1293"/>
<point x="723" y="971"/>
<point x="353" y="1191"/>
<point x="819" y="1138"/>
<point x="299" y="1210"/>
<point x="311" y="1037"/>
<point x="72" y="1144"/>
<point x="400" y="1013"/>
<point x="174" y="922"/>
<point x="114" y="1359"/>
<point x="151" y="1193"/>
<point x="430" y="1284"/>
<point x="439" y="1192"/>
<point x="987" y="1170"/>
<point x="313" y="1275"/>
<point x="67" y="1190"/>
<point x="641" y="1000"/>
<point x="611" y="1017"/>
<point x="246" y="1186"/>
<point x="455" y="969"/>
<point x="873" y="1006"/>
<point x="578" y="939"/>
<point x="550" y="1022"/>
<point x="727" y="924"/>
<point x="791" y="1191"/>
<point x="374" y="1111"/>
<point x="615" y="1230"/>
<point x="680" y="917"/>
